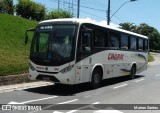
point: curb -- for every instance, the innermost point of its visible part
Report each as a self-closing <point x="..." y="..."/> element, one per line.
<point x="19" y="82"/>
<point x="14" y="79"/>
<point x="17" y="87"/>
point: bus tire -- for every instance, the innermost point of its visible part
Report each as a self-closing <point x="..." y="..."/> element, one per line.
<point x="58" y="84"/>
<point x="133" y="72"/>
<point x="96" y="78"/>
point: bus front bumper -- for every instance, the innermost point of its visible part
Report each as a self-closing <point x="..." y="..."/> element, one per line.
<point x="68" y="78"/>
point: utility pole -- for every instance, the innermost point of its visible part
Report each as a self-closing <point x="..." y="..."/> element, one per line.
<point x="58" y="5"/>
<point x="78" y="8"/>
<point x="72" y="7"/>
<point x="108" y="12"/>
<point x="69" y="6"/>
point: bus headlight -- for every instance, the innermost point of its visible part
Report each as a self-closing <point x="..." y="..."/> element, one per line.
<point x="31" y="67"/>
<point x="66" y="69"/>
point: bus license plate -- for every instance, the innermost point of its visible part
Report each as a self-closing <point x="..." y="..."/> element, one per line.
<point x="46" y="78"/>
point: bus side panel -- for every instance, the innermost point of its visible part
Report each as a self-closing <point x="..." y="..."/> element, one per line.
<point x="142" y="61"/>
<point x="83" y="70"/>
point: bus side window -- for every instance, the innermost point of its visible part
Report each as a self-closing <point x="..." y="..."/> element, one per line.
<point x="133" y="43"/>
<point x="100" y="38"/>
<point x="114" y="41"/>
<point x="145" y="45"/>
<point x="86" y="42"/>
<point x="140" y="44"/>
<point x="124" y="41"/>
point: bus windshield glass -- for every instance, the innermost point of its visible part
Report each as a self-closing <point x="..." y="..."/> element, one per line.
<point x="53" y="44"/>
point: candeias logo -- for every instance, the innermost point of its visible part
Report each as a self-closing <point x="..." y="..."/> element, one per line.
<point x="114" y="56"/>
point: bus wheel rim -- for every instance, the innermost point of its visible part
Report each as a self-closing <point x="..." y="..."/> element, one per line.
<point x="96" y="78"/>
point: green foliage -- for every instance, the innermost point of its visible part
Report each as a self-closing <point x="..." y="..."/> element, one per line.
<point x="13" y="54"/>
<point x="150" y="58"/>
<point x="152" y="33"/>
<point x="55" y="14"/>
<point x="6" y="6"/>
<point x="30" y="10"/>
<point x="145" y="29"/>
<point x="128" y="26"/>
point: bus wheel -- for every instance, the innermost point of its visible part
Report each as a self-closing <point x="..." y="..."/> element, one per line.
<point x="96" y="78"/>
<point x="133" y="72"/>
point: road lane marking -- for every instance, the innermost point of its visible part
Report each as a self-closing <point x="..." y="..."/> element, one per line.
<point x="14" y="102"/>
<point x="139" y="80"/>
<point x="56" y="105"/>
<point x="72" y="111"/>
<point x="68" y="101"/>
<point x="57" y="112"/>
<point x="107" y="111"/>
<point x="81" y="108"/>
<point x="157" y="75"/>
<point x="96" y="103"/>
<point x="32" y="100"/>
<point x="120" y="86"/>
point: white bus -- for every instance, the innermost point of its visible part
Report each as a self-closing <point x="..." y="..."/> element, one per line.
<point x="74" y="51"/>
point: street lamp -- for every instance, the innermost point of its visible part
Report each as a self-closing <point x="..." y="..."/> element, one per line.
<point x="108" y="19"/>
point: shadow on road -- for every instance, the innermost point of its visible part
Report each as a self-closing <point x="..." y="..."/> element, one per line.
<point x="67" y="90"/>
<point x="112" y="81"/>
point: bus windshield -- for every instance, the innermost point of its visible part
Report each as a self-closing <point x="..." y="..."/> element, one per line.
<point x="53" y="44"/>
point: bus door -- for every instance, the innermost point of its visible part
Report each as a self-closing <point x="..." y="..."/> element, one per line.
<point x="84" y="56"/>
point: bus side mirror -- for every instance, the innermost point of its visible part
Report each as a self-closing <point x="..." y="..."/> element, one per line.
<point x="26" y="39"/>
<point x="26" y="35"/>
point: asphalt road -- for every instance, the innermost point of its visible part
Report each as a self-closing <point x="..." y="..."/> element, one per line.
<point x="117" y="95"/>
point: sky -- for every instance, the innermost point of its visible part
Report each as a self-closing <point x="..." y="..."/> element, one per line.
<point x="137" y="12"/>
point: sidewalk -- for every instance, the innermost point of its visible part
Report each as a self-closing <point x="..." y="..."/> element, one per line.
<point x="155" y="61"/>
<point x="15" y="87"/>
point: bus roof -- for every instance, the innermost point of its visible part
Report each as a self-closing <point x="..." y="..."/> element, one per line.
<point x="81" y="21"/>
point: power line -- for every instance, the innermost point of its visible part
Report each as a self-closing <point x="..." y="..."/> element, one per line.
<point x="93" y="8"/>
<point x="66" y="5"/>
<point x="93" y="3"/>
<point x="118" y="18"/>
<point x="93" y="15"/>
<point x="100" y="3"/>
<point x="80" y="10"/>
<point x="81" y="6"/>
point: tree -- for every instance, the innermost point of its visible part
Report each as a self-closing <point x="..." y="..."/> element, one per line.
<point x="38" y="11"/>
<point x="23" y="8"/>
<point x="152" y="33"/>
<point x="1" y="6"/>
<point x="145" y="29"/>
<point x="128" y="26"/>
<point x="30" y="10"/>
<point x="55" y="14"/>
<point x="6" y="6"/>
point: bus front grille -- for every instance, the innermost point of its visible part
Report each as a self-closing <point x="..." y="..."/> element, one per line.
<point x="47" y="78"/>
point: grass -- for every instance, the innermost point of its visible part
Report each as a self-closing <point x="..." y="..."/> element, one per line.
<point x="150" y="58"/>
<point x="13" y="53"/>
